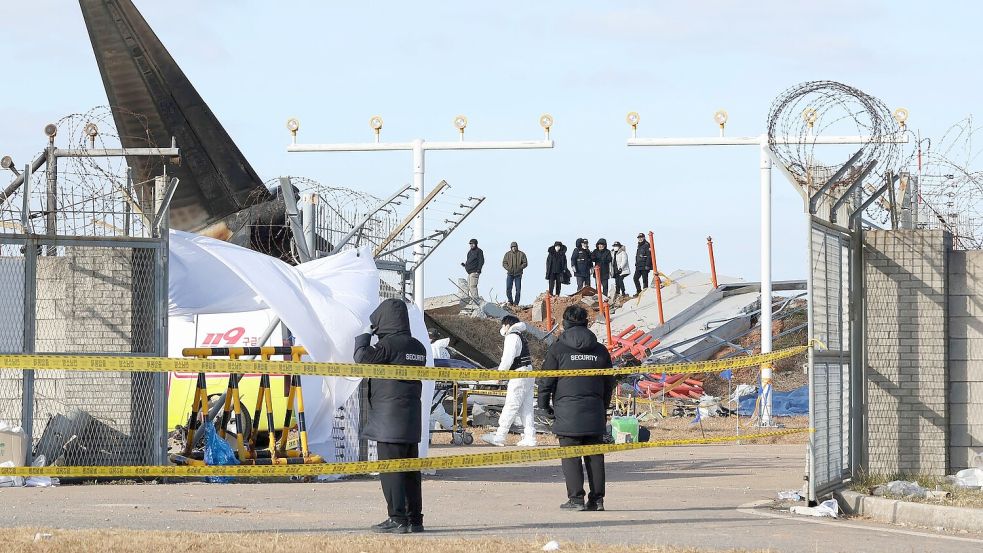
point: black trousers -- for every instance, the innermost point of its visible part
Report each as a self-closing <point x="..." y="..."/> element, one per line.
<point x="403" y="490"/>
<point x="604" y="286"/>
<point x="582" y="281"/>
<point x="554" y="286"/>
<point x="573" y="469"/>
<point x="619" y="284"/>
<point x="644" y="275"/>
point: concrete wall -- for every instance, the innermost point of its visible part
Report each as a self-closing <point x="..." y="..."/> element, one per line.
<point x="965" y="358"/>
<point x="905" y="281"/>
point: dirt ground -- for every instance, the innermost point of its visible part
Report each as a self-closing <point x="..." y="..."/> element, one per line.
<point x="22" y="540"/>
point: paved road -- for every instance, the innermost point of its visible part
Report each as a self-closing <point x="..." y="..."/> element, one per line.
<point x="692" y="496"/>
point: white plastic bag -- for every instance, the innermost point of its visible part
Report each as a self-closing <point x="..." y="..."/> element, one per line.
<point x="969" y="478"/>
<point x="901" y="488"/>
<point x="828" y="508"/>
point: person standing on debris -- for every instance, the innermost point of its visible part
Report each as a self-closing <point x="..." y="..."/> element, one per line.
<point x="394" y="412"/>
<point x="514" y="263"/>
<point x="621" y="268"/>
<point x="472" y="265"/>
<point x="579" y="406"/>
<point x="556" y="267"/>
<point x="581" y="262"/>
<point x="643" y="264"/>
<point x="601" y="257"/>
<point x="519" y="398"/>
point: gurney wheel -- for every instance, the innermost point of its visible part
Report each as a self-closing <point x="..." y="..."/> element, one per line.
<point x="457" y="438"/>
<point x="468" y="438"/>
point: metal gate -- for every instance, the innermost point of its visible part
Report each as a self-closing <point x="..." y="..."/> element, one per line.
<point x="833" y="384"/>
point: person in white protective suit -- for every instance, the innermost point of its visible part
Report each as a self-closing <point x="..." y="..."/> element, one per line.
<point x="519" y="400"/>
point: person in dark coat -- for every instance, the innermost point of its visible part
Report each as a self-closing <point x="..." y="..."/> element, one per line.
<point x="394" y="412"/>
<point x="643" y="264"/>
<point x="581" y="263"/>
<point x="601" y="256"/>
<point x="579" y="405"/>
<point x="472" y="265"/>
<point x="556" y="266"/>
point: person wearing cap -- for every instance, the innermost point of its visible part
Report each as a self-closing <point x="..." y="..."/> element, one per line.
<point x="556" y="267"/>
<point x="519" y="398"/>
<point x="514" y="263"/>
<point x="393" y="417"/>
<point x="621" y="268"/>
<point x="472" y="265"/>
<point x="579" y="406"/>
<point x="601" y="257"/>
<point x="580" y="261"/>
<point x="643" y="264"/>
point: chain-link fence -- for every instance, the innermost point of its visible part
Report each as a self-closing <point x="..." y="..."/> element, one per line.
<point x="832" y="458"/>
<point x="91" y="296"/>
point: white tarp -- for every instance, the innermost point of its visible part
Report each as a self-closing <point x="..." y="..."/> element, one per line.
<point x="325" y="303"/>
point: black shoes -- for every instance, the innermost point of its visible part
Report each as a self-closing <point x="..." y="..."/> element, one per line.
<point x="579" y="505"/>
<point x="573" y="505"/>
<point x="390" y="526"/>
<point x="595" y="505"/>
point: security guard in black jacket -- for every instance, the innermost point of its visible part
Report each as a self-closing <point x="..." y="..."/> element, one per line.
<point x="394" y="412"/>
<point x="579" y="404"/>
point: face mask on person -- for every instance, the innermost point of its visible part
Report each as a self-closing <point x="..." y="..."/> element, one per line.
<point x="504" y="330"/>
<point x="557" y="248"/>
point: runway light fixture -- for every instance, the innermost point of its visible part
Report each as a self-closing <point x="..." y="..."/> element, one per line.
<point x="91" y="131"/>
<point x="901" y="116"/>
<point x="375" y="122"/>
<point x="6" y="162"/>
<point x="460" y="123"/>
<point x="51" y="131"/>
<point x="546" y="121"/>
<point x="293" y="125"/>
<point x="632" y="119"/>
<point x="810" y="116"/>
<point x="720" y="116"/>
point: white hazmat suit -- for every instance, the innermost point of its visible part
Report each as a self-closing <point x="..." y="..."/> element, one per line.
<point x="519" y="401"/>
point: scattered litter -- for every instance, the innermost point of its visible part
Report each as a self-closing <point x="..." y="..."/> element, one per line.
<point x="790" y="495"/>
<point x="828" y="508"/>
<point x="12" y="444"/>
<point x="969" y="478"/>
<point x="40" y="481"/>
<point x="900" y="488"/>
<point x="552" y="545"/>
<point x="41" y="536"/>
<point x="10" y="481"/>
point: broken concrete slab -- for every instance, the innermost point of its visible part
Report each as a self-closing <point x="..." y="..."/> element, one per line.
<point x="538" y="311"/>
<point x="440" y="302"/>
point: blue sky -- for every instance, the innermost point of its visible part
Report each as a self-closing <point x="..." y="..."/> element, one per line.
<point x="502" y="64"/>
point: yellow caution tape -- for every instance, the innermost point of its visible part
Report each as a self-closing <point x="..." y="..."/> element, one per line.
<point x="365" y="467"/>
<point x="397" y="372"/>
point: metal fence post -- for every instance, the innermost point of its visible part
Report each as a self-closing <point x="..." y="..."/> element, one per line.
<point x="30" y="316"/>
<point x="858" y="360"/>
<point x="161" y="307"/>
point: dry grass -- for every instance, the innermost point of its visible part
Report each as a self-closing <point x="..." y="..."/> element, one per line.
<point x="959" y="497"/>
<point x="83" y="541"/>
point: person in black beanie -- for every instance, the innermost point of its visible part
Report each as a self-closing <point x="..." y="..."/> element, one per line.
<point x="394" y="412"/>
<point x="581" y="263"/>
<point x="579" y="405"/>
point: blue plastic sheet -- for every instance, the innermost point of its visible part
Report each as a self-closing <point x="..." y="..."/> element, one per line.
<point x="217" y="452"/>
<point x="784" y="404"/>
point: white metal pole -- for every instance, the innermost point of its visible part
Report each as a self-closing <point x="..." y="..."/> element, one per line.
<point x="766" y="371"/>
<point x="418" y="180"/>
